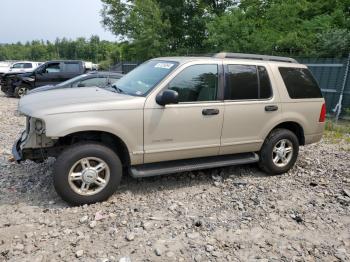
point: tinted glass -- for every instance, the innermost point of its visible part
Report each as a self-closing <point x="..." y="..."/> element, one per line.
<point x="300" y="83"/>
<point x="96" y="81"/>
<point x="196" y="83"/>
<point x="72" y="80"/>
<point x="72" y="67"/>
<point x="265" y="84"/>
<point x="27" y="65"/>
<point x="242" y="82"/>
<point x="144" y="77"/>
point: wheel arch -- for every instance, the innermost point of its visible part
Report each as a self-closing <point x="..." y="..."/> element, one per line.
<point x="294" y="127"/>
<point x="108" y="139"/>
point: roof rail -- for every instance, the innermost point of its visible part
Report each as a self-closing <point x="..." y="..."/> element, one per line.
<point x="255" y="57"/>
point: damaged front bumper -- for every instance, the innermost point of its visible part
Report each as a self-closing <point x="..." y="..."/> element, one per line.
<point x="32" y="145"/>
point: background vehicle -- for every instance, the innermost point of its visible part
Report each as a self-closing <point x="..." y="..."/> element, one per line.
<point x="4" y="67"/>
<point x="49" y="73"/>
<point x="99" y="79"/>
<point x="173" y="115"/>
<point x="23" y="67"/>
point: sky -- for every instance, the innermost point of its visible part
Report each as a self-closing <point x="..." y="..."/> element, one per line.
<point x="27" y="20"/>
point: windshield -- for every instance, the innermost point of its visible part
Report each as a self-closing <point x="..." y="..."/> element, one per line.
<point x="72" y="80"/>
<point x="144" y="78"/>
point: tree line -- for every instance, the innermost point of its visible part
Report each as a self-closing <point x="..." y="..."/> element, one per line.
<point x="150" y="28"/>
<point x="93" y="49"/>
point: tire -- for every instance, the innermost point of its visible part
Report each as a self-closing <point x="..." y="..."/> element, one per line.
<point x="21" y="91"/>
<point x="79" y="164"/>
<point x="279" y="161"/>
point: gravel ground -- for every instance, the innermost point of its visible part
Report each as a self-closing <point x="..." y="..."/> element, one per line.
<point x="226" y="214"/>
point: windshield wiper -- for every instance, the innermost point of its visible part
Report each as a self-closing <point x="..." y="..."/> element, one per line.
<point x="118" y="89"/>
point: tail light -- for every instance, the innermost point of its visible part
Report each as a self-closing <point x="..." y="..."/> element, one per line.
<point x="323" y="113"/>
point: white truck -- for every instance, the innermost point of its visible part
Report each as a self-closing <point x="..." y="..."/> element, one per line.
<point x="5" y="67"/>
<point x="23" y="67"/>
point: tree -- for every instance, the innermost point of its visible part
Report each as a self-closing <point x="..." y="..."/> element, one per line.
<point x="178" y="27"/>
<point x="281" y="27"/>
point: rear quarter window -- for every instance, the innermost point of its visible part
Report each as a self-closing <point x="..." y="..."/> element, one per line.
<point x="72" y="67"/>
<point x="300" y="83"/>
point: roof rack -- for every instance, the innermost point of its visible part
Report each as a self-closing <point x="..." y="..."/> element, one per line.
<point x="255" y="57"/>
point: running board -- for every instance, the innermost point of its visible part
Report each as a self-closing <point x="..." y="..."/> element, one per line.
<point x="177" y="166"/>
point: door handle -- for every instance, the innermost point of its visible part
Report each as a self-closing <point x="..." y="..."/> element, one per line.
<point x="271" y="108"/>
<point x="210" y="112"/>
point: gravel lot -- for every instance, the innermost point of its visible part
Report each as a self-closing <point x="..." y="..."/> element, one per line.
<point x="227" y="214"/>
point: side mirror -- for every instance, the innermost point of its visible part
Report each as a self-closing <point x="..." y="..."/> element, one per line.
<point x="167" y="97"/>
<point x="81" y="85"/>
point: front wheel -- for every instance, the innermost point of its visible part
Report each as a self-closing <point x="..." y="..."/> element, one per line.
<point x="20" y="91"/>
<point x="279" y="152"/>
<point x="87" y="173"/>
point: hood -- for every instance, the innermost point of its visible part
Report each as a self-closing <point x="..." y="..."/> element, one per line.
<point x="42" y="88"/>
<point x="17" y="74"/>
<point x="73" y="100"/>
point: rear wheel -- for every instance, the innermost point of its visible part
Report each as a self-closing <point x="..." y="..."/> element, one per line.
<point x="279" y="152"/>
<point x="21" y="91"/>
<point x="87" y="173"/>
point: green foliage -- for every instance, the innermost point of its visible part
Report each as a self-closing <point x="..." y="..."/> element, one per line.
<point x="159" y="27"/>
<point x="305" y="27"/>
<point x="337" y="132"/>
<point x="92" y="49"/>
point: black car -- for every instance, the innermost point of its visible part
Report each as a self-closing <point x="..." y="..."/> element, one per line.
<point x="99" y="79"/>
<point x="49" y="73"/>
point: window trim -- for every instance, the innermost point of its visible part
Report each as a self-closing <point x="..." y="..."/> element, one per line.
<point x="219" y="93"/>
<point x="269" y="78"/>
<point x="226" y="70"/>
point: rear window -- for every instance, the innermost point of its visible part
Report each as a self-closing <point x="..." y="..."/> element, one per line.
<point x="300" y="83"/>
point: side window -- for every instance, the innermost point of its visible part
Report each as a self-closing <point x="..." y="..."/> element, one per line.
<point x="72" y="67"/>
<point x="97" y="81"/>
<point x="19" y="65"/>
<point x="196" y="83"/>
<point x="27" y="65"/>
<point x="245" y="82"/>
<point x="300" y="83"/>
<point x="242" y="82"/>
<point x="53" y="68"/>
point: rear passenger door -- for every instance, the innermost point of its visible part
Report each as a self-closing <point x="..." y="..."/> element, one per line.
<point x="251" y="107"/>
<point x="71" y="69"/>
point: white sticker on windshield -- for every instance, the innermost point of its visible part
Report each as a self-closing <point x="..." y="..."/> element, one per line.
<point x="164" y="65"/>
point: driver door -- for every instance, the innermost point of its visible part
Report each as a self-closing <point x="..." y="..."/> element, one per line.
<point x="51" y="75"/>
<point x="191" y="128"/>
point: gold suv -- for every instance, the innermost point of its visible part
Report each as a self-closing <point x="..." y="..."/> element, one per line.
<point x="170" y="115"/>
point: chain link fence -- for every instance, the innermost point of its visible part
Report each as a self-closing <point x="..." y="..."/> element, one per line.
<point x="333" y="76"/>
